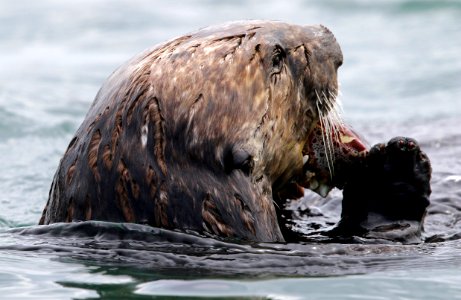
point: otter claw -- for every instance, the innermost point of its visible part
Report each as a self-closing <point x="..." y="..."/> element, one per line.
<point x="403" y="144"/>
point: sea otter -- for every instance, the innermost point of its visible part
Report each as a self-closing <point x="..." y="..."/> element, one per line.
<point x="204" y="133"/>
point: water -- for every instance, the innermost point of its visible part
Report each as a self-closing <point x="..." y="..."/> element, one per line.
<point x="401" y="76"/>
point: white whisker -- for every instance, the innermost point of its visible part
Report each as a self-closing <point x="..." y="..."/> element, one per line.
<point x="326" y="139"/>
<point x="330" y="136"/>
<point x="318" y="97"/>
<point x="333" y="116"/>
<point x="336" y="113"/>
<point x="330" y="110"/>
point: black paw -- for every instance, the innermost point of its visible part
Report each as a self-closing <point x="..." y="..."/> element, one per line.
<point x="389" y="190"/>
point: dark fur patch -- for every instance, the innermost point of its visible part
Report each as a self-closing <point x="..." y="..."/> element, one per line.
<point x="212" y="218"/>
<point x="155" y="114"/>
<point x="161" y="207"/>
<point x="122" y="192"/>
<point x="93" y="154"/>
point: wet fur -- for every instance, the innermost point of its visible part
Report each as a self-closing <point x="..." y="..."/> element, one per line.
<point x="199" y="133"/>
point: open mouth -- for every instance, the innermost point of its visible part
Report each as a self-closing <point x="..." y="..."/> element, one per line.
<point x="329" y="156"/>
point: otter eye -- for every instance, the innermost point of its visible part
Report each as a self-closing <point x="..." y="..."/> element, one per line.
<point x="339" y="63"/>
<point x="238" y="159"/>
<point x="277" y="59"/>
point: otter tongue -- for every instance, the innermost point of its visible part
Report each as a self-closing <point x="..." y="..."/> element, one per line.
<point x="321" y="181"/>
<point x="350" y="139"/>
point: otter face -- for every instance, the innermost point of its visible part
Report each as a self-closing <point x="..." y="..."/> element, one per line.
<point x="300" y="65"/>
<point x="312" y="58"/>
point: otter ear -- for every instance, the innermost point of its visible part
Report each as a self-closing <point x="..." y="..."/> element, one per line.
<point x="278" y="57"/>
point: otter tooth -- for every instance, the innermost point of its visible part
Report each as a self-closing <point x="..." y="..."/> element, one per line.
<point x="323" y="190"/>
<point x="313" y="184"/>
<point x="305" y="159"/>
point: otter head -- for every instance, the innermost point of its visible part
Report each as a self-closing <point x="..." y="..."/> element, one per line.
<point x="314" y="148"/>
<point x="289" y="83"/>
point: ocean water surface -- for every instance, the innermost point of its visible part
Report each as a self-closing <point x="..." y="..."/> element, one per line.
<point x="401" y="76"/>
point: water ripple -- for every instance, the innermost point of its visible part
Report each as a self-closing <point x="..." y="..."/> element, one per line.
<point x="168" y="252"/>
